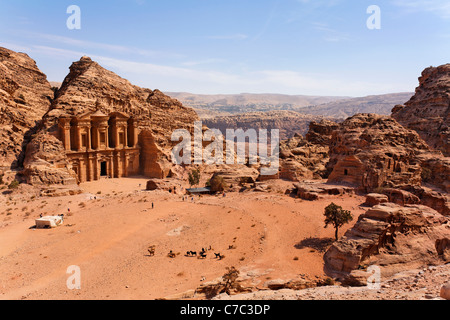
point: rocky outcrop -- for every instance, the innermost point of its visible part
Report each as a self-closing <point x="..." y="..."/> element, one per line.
<point x="46" y="163"/>
<point x="165" y="185"/>
<point x="320" y="133"/>
<point x="372" y="151"/>
<point x="392" y="236"/>
<point x="314" y="190"/>
<point x="435" y="170"/>
<point x="408" y="194"/>
<point x="25" y="96"/>
<point x="88" y="88"/>
<point x="439" y="201"/>
<point x="373" y="199"/>
<point x="428" y="111"/>
<point x="306" y="158"/>
<point x="235" y="176"/>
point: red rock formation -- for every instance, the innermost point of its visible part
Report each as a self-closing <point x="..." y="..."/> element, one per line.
<point x="89" y="88"/>
<point x="304" y="159"/>
<point x="371" y="151"/>
<point x="395" y="237"/>
<point x="428" y="111"/>
<point x="25" y="96"/>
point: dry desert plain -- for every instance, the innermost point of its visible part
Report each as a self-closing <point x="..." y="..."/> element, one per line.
<point x="111" y="225"/>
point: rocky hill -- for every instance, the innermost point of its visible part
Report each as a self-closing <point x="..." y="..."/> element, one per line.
<point x="428" y="111"/>
<point x="88" y="88"/>
<point x="25" y="96"/>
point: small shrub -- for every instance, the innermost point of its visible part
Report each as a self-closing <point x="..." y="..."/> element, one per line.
<point x="194" y="177"/>
<point x="14" y="185"/>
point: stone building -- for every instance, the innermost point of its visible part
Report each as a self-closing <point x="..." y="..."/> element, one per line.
<point x="99" y="145"/>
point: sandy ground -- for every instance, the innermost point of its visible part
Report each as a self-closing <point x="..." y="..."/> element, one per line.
<point x="110" y="226"/>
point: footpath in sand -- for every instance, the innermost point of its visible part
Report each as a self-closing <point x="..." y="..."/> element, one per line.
<point x="111" y="225"/>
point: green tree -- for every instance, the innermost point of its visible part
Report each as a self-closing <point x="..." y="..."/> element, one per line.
<point x="194" y="177"/>
<point x="337" y="217"/>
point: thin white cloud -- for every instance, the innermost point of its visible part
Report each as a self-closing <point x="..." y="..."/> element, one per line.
<point x="14" y="47"/>
<point x="238" y="36"/>
<point x="118" y="49"/>
<point x="439" y="7"/>
<point x="330" y="34"/>
<point x="202" y="62"/>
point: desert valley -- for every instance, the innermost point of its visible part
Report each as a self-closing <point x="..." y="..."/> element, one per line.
<point x="96" y="150"/>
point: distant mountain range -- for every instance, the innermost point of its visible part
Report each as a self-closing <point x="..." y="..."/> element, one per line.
<point x="210" y="106"/>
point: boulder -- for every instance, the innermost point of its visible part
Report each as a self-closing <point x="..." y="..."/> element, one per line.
<point x="373" y="199"/>
<point x="164" y="185"/>
<point x="443" y="248"/>
<point x="401" y="197"/>
<point x="445" y="291"/>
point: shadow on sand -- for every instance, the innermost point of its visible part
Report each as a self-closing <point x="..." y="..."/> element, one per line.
<point x="319" y="244"/>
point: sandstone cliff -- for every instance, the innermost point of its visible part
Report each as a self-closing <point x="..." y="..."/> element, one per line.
<point x="88" y="88"/>
<point x="304" y="158"/>
<point x="25" y="96"/>
<point x="428" y="111"/>
<point x="372" y="151"/>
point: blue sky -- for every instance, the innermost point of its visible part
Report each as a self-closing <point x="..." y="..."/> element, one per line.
<point x="310" y="47"/>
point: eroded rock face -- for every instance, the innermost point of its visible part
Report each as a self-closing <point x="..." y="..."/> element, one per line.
<point x="372" y="151"/>
<point x="46" y="163"/>
<point x="234" y="176"/>
<point x="306" y="158"/>
<point x="373" y="199"/>
<point x="91" y="88"/>
<point x="428" y="111"/>
<point x="25" y="96"/>
<point x="395" y="237"/>
<point x="435" y="170"/>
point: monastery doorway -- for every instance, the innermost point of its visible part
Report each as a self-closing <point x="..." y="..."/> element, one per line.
<point x="103" y="169"/>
